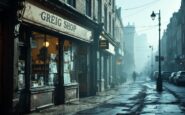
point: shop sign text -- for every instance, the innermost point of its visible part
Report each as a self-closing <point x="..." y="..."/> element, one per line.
<point x="57" y="21"/>
<point x="35" y="14"/>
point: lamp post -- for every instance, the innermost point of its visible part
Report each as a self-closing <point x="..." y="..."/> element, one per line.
<point x="159" y="78"/>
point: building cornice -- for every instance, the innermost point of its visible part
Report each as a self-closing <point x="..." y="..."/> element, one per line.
<point x="69" y="12"/>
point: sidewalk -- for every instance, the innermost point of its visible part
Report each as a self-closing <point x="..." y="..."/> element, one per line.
<point x="164" y="103"/>
<point x="82" y="104"/>
<point x="152" y="103"/>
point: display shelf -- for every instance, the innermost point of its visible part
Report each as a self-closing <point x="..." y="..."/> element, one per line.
<point x="40" y="68"/>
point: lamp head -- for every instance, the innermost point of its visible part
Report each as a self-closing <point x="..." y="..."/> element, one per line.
<point x="46" y="44"/>
<point x="153" y="15"/>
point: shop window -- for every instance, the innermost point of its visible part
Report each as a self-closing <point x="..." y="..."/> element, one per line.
<point x="44" y="52"/>
<point x="69" y="50"/>
<point x="21" y="67"/>
<point x="21" y="53"/>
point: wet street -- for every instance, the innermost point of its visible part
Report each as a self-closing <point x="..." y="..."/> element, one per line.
<point x="139" y="98"/>
<point x="128" y="100"/>
<point x="133" y="98"/>
<point x="160" y="103"/>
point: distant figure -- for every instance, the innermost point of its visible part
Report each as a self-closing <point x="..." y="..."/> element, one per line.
<point x="134" y="76"/>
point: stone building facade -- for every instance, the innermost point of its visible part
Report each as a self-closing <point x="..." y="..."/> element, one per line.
<point x="175" y="37"/>
<point x="57" y="51"/>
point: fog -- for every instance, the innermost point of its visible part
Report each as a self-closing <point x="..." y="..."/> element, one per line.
<point x="145" y="34"/>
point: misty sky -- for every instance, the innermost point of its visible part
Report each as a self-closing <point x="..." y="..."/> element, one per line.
<point x="139" y="11"/>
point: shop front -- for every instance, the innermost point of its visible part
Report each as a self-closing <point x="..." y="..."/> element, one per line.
<point x="120" y="78"/>
<point x="106" y="63"/>
<point x="52" y="59"/>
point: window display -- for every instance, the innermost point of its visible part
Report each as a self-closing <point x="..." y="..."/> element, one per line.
<point x="68" y="63"/>
<point x="67" y="59"/>
<point x="21" y="72"/>
<point x="52" y="69"/>
<point x="44" y="59"/>
<point x="20" y="84"/>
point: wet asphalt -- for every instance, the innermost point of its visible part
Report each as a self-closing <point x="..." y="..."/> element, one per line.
<point x="139" y="98"/>
<point x="132" y="98"/>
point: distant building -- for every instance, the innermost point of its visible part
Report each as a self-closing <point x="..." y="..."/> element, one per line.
<point x="164" y="51"/>
<point x="119" y="38"/>
<point x="173" y="44"/>
<point x="141" y="52"/>
<point x="129" y="64"/>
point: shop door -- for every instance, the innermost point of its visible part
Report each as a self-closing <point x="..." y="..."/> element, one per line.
<point x="105" y="72"/>
<point x="82" y="71"/>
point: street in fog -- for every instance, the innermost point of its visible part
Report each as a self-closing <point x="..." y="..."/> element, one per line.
<point x="92" y="57"/>
<point x="128" y="100"/>
<point x="139" y="98"/>
<point x="132" y="98"/>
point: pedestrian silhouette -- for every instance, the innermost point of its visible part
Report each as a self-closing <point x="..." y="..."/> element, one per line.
<point x="134" y="76"/>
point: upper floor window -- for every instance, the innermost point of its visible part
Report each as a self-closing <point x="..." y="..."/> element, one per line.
<point x="113" y="25"/>
<point x="99" y="3"/>
<point x="110" y="25"/>
<point x="113" y="5"/>
<point x="72" y="2"/>
<point x="88" y="7"/>
<point x="105" y="18"/>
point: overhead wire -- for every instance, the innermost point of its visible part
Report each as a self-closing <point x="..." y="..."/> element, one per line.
<point x="141" y="26"/>
<point x="144" y="30"/>
<point x="137" y="26"/>
<point x="143" y="7"/>
<point x="150" y="3"/>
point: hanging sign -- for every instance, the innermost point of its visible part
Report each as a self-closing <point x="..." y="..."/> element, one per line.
<point x="104" y="44"/>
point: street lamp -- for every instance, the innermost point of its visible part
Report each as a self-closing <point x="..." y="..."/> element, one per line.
<point x="159" y="78"/>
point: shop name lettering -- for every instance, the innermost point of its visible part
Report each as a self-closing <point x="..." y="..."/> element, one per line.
<point x="57" y="21"/>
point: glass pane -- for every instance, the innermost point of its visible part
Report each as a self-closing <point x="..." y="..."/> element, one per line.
<point x="52" y="59"/>
<point x="21" y="76"/>
<point x="21" y="68"/>
<point x="44" y="59"/>
<point x="69" y="65"/>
